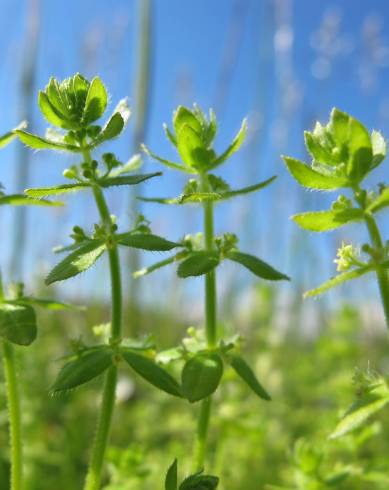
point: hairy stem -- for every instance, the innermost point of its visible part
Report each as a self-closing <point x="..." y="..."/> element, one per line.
<point x="93" y="478"/>
<point x="14" y="414"/>
<point x="210" y="331"/>
<point x="382" y="274"/>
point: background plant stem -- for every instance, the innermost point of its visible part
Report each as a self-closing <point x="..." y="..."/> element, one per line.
<point x="210" y="331"/>
<point x="14" y="412"/>
<point x="93" y="478"/>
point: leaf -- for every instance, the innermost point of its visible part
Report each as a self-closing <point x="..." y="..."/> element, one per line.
<point x="151" y="372"/>
<point x="49" y="304"/>
<point x="360" y="149"/>
<point x="171" y="477"/>
<point x="327" y="220"/>
<point x="167" y="163"/>
<point x="198" y="263"/>
<point x="78" y="261"/>
<point x="134" y="163"/>
<point x="127" y="179"/>
<point x="84" y="368"/>
<point x="170" y="136"/>
<point x="381" y="202"/>
<point x="146" y="242"/>
<point x="245" y="372"/>
<point x="257" y="266"/>
<point x="317" y="150"/>
<point x="379" y="148"/>
<point x="20" y="200"/>
<point x="339" y="279"/>
<point x="56" y="190"/>
<point x="199" y="482"/>
<point x="18" y="323"/>
<point x="201" y="376"/>
<point x="162" y="200"/>
<point x="191" y="148"/>
<point x="53" y="116"/>
<point x="6" y="138"/>
<point x="308" y="177"/>
<point x="115" y="124"/>
<point x="235" y="145"/>
<point x="153" y="267"/>
<point x="39" y="143"/>
<point x="96" y="101"/>
<point x="247" y="190"/>
<point x="184" y="116"/>
<point x="360" y="412"/>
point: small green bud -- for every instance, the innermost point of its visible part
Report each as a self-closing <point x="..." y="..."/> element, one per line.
<point x="69" y="173"/>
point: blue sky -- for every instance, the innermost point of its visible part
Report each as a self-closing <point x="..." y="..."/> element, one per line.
<point x="288" y="71"/>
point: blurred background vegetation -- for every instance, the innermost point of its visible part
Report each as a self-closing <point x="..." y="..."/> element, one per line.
<point x="284" y="63"/>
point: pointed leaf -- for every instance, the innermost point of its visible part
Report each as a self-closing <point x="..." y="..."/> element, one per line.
<point x="257" y="266"/>
<point x="381" y="202"/>
<point x="339" y="279"/>
<point x="151" y="372"/>
<point x="49" y="304"/>
<point x="56" y="190"/>
<point x="146" y="241"/>
<point x="235" y="145"/>
<point x="39" y="143"/>
<point x="18" y="323"/>
<point x="20" y="200"/>
<point x="308" y="177"/>
<point x="247" y="190"/>
<point x="82" y="369"/>
<point x="327" y="220"/>
<point x="243" y="370"/>
<point x="127" y="179"/>
<point x="171" y="477"/>
<point x="167" y="163"/>
<point x="199" y="482"/>
<point x="201" y="376"/>
<point x="78" y="261"/>
<point x="52" y="115"/>
<point x="191" y="148"/>
<point x="96" y="101"/>
<point x="184" y="116"/>
<point x="198" y="263"/>
<point x="153" y="267"/>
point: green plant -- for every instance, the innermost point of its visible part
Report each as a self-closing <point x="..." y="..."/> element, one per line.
<point x="343" y="155"/>
<point x="205" y="353"/>
<point x="74" y="105"/>
<point x="18" y="326"/>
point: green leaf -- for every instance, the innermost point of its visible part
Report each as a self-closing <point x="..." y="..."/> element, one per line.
<point x="379" y="148"/>
<point x="39" y="143"/>
<point x="199" y="482"/>
<point x="360" y="149"/>
<point x="308" y="177"/>
<point x="115" y="124"/>
<point x="184" y="116"/>
<point x="257" y="266"/>
<point x="167" y="163"/>
<point x="151" y="372"/>
<point x="198" y="263"/>
<point x="171" y="477"/>
<point x="381" y="202"/>
<point x="134" y="163"/>
<point x="170" y="136"/>
<point x="53" y="116"/>
<point x="243" y="370"/>
<point x="198" y="197"/>
<point x="339" y="279"/>
<point x="235" y="145"/>
<point x="327" y="220"/>
<point x="49" y="304"/>
<point x="18" y="323"/>
<point x="247" y="190"/>
<point x="361" y="411"/>
<point x="20" y="200"/>
<point x="56" y="190"/>
<point x="6" y="138"/>
<point x="127" y="179"/>
<point x="201" y="376"/>
<point x="153" y="267"/>
<point x="96" y="101"/>
<point x="146" y="242"/>
<point x="82" y="369"/>
<point x="78" y="261"/>
<point x="319" y="152"/>
<point x="191" y="148"/>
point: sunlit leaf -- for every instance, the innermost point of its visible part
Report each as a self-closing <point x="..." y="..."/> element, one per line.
<point x="234" y="147"/>
<point x="167" y="163"/>
<point x="78" y="261"/>
<point x="327" y="220"/>
<point x="339" y="279"/>
<point x="96" y="101"/>
<point x="381" y="202"/>
<point x="39" y="143"/>
<point x="21" y="200"/>
<point x="127" y="179"/>
<point x="56" y="190"/>
<point x="379" y="148"/>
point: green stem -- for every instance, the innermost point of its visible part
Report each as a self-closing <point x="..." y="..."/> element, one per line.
<point x="210" y="331"/>
<point x="382" y="274"/>
<point x="13" y="401"/>
<point x="93" y="478"/>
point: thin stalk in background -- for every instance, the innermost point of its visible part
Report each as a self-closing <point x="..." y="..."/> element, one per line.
<point x="141" y="115"/>
<point x="29" y="64"/>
